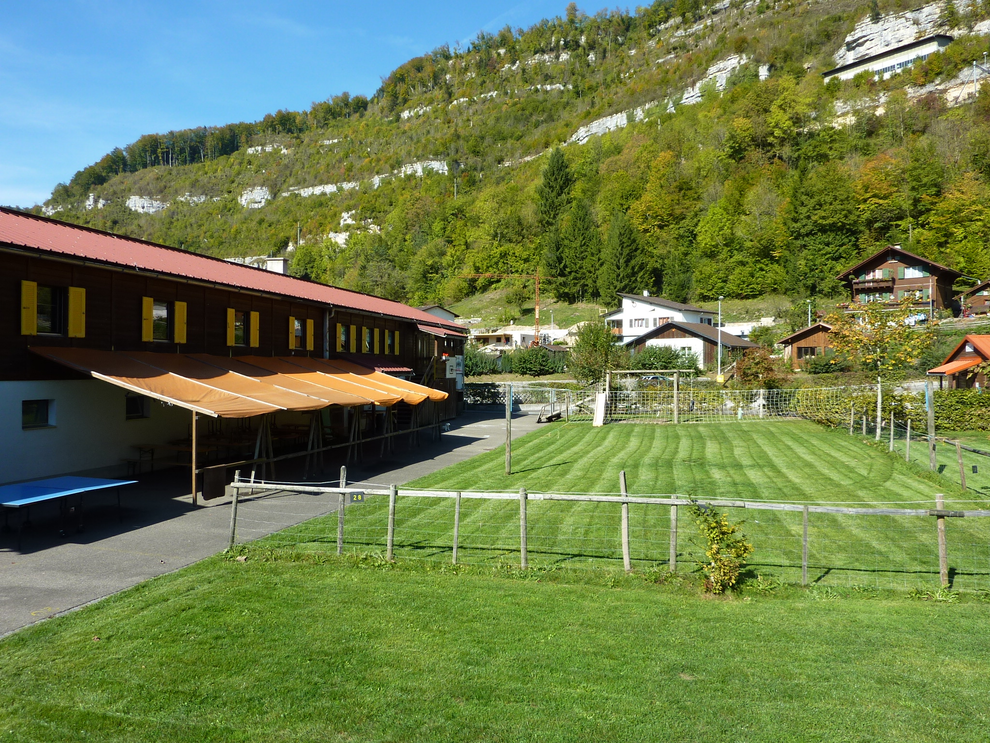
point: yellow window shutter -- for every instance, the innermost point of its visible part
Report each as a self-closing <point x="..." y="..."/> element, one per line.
<point x="147" y="319"/>
<point x="292" y="332"/>
<point x="353" y="339"/>
<point x="29" y="308"/>
<point x="77" y="312"/>
<point x="255" y="329"/>
<point x="378" y="344"/>
<point x="180" y="322"/>
<point x="396" y="346"/>
<point x="339" y="345"/>
<point x="309" y="334"/>
<point x="230" y="326"/>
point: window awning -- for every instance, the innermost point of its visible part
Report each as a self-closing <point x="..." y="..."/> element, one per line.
<point x="441" y="332"/>
<point x="956" y="366"/>
<point x="236" y="388"/>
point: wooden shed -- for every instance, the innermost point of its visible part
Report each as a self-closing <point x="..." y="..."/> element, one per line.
<point x="806" y="343"/>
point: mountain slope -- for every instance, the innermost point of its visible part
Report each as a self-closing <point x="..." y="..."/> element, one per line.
<point x="708" y="125"/>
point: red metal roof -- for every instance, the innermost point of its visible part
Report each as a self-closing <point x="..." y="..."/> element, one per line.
<point x="60" y="238"/>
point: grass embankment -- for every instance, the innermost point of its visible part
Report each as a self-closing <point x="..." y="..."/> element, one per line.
<point x="792" y="462"/>
<point x="294" y="651"/>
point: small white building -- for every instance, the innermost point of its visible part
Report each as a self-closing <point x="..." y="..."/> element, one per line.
<point x="893" y="60"/>
<point x="515" y="336"/>
<point x="639" y="314"/>
<point x="442" y="312"/>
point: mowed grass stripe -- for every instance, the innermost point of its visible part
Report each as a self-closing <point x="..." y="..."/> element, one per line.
<point x="796" y="462"/>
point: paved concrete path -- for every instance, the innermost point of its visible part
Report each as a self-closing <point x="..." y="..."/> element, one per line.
<point x="159" y="530"/>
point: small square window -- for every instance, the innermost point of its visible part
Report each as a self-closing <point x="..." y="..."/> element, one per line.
<point x="136" y="406"/>
<point x="37" y="414"/>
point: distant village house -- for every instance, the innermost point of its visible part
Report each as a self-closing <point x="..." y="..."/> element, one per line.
<point x="892" y="274"/>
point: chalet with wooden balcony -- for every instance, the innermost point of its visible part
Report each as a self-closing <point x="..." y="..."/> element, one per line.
<point x="893" y="273"/>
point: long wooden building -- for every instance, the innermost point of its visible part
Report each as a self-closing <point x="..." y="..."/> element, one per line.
<point x="109" y="343"/>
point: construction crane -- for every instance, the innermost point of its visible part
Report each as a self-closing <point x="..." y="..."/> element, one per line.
<point x="535" y="276"/>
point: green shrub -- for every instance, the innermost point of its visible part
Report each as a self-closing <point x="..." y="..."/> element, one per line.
<point x="727" y="548"/>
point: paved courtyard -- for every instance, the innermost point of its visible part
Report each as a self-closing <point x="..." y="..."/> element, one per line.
<point x="158" y="530"/>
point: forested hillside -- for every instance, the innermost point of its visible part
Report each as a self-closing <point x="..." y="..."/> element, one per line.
<point x="688" y="149"/>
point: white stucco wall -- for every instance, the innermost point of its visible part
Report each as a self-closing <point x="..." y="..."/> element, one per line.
<point x="694" y="345"/>
<point x="90" y="433"/>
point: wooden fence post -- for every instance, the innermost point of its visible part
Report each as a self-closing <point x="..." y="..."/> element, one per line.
<point x="864" y="424"/>
<point x="523" y="552"/>
<point x="390" y="541"/>
<point x="852" y="417"/>
<point x="340" y="511"/>
<point x="626" y="561"/>
<point x="233" y="511"/>
<point x="673" y="539"/>
<point x="804" y="550"/>
<point x="962" y="470"/>
<point x="943" y="557"/>
<point x="907" y="442"/>
<point x="457" y="523"/>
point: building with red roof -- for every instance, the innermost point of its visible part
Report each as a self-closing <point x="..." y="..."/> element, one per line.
<point x="97" y="325"/>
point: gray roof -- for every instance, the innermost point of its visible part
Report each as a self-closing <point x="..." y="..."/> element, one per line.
<point x="697" y="329"/>
<point x="661" y="302"/>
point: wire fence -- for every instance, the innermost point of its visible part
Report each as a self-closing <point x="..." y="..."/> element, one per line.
<point x="880" y="545"/>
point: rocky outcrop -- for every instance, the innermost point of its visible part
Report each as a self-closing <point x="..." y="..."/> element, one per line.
<point x="254" y="198"/>
<point x="144" y="205"/>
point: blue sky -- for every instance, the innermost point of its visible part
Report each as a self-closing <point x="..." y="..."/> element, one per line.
<point x="80" y="77"/>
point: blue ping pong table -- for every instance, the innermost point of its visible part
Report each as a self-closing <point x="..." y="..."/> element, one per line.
<point x="25" y="494"/>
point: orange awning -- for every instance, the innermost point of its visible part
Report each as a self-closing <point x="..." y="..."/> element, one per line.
<point x="350" y="382"/>
<point x="298" y="368"/>
<point x="401" y="386"/>
<point x="956" y="366"/>
<point x="157" y="382"/>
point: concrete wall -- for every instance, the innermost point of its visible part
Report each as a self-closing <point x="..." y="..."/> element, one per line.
<point x="90" y="431"/>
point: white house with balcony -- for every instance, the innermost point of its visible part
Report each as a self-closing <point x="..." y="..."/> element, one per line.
<point x="639" y="314"/>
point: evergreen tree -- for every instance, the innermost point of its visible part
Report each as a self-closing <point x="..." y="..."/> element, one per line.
<point x="622" y="265"/>
<point x="553" y="195"/>
<point x="580" y="251"/>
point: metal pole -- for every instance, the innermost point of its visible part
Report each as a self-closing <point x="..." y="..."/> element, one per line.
<point x="677" y="390"/>
<point x="390" y="540"/>
<point x="193" y="459"/>
<point x="804" y="550"/>
<point x="341" y="499"/>
<point x="523" y="550"/>
<point x="508" y="429"/>
<point x="457" y="524"/>
<point x="930" y="400"/>
<point x="233" y="512"/>
<point x="943" y="557"/>
<point x="673" y="539"/>
<point x="907" y="442"/>
<point x="892" y="430"/>
<point x="719" y="378"/>
<point x="626" y="561"/>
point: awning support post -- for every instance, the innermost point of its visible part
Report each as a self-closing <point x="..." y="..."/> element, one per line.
<point x="193" y="459"/>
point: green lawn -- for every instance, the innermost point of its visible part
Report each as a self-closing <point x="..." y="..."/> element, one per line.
<point x="296" y="651"/>
<point x="300" y="645"/>
<point x="782" y="462"/>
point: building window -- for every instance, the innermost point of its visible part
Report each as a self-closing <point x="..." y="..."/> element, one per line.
<point x="161" y="321"/>
<point x="37" y="414"/>
<point x="240" y="328"/>
<point x="297" y="333"/>
<point x="136" y="406"/>
<point x="369" y="341"/>
<point x="51" y="310"/>
<point x="804" y="352"/>
<point x="390" y="342"/>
